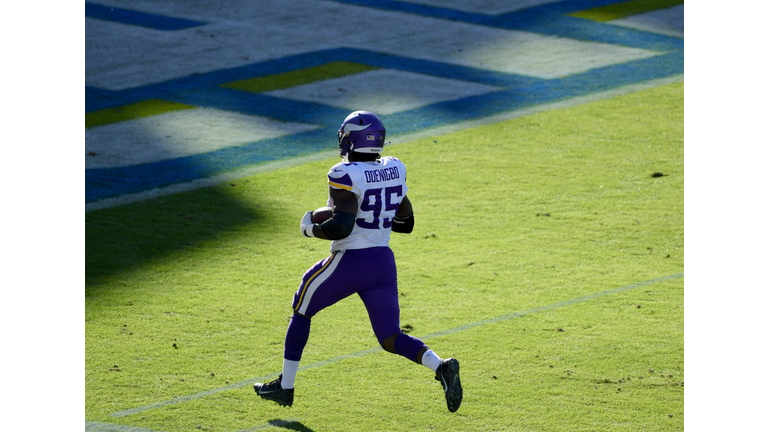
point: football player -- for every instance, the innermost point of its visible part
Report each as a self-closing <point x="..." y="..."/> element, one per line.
<point x="369" y="198"/>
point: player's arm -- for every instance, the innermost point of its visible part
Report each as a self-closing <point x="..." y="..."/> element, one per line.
<point x="342" y="222"/>
<point x="403" y="221"/>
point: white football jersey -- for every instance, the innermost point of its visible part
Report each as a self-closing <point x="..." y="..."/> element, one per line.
<point x="380" y="188"/>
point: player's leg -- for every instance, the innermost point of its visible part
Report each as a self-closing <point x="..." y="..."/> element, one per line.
<point x="383" y="308"/>
<point x="321" y="286"/>
<point x="384" y="313"/>
<point x="381" y="302"/>
<point x="385" y="321"/>
<point x="281" y="389"/>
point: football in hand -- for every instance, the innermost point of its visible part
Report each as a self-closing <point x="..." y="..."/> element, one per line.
<point x="322" y="214"/>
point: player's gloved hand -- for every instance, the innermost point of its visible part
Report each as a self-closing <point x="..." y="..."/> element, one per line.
<point x="306" y="224"/>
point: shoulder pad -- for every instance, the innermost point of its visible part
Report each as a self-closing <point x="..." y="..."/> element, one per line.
<point x="338" y="177"/>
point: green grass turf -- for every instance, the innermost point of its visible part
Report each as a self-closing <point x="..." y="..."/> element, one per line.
<point x="191" y="292"/>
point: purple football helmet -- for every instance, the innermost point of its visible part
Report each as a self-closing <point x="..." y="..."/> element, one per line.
<point x="362" y="132"/>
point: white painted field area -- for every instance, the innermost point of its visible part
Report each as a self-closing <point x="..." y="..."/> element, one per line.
<point x="425" y="53"/>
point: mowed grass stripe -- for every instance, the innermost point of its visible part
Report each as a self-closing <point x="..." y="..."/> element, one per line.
<point x="625" y="9"/>
<point x="136" y="110"/>
<point x="299" y="77"/>
<point x="366" y="352"/>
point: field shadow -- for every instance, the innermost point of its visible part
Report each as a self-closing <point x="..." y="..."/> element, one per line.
<point x="123" y="238"/>
<point x="289" y="425"/>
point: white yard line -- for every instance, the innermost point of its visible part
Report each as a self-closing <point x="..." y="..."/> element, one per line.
<point x="337" y="359"/>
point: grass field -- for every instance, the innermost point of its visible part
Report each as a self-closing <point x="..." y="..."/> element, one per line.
<point x="547" y="257"/>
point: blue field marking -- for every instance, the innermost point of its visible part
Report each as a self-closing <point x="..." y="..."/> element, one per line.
<point x="142" y="19"/>
<point x="97" y="99"/>
<point x="105" y="183"/>
<point x="498" y="319"/>
<point x="517" y="92"/>
<point x="547" y="19"/>
<point x="204" y="91"/>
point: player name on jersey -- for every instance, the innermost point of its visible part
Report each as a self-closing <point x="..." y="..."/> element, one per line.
<point x="382" y="175"/>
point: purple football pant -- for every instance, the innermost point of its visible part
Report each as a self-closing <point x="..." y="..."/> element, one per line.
<point x="372" y="274"/>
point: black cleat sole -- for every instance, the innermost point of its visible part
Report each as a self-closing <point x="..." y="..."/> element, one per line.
<point x="454" y="394"/>
<point x="448" y="375"/>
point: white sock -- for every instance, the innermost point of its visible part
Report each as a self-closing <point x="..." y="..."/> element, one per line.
<point x="431" y="360"/>
<point x="290" y="368"/>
